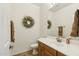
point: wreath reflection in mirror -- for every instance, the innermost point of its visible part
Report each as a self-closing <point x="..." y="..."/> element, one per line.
<point x="28" y="21"/>
<point x="49" y="24"/>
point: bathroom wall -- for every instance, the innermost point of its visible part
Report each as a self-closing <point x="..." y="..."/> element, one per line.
<point x="65" y="18"/>
<point x="4" y="29"/>
<point x="43" y="19"/>
<point x="24" y="37"/>
<point x="52" y="30"/>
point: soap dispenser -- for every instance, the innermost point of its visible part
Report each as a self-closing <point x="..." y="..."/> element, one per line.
<point x="68" y="40"/>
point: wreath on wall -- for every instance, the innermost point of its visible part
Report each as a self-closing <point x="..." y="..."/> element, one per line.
<point x="28" y="21"/>
<point x="49" y="24"/>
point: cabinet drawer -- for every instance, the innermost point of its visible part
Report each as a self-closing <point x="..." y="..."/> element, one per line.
<point x="47" y="53"/>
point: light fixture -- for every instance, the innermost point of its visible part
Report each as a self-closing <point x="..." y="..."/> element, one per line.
<point x="52" y="4"/>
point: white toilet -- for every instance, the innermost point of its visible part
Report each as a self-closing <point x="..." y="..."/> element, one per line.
<point x="34" y="48"/>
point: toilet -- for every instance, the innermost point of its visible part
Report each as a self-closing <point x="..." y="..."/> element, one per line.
<point x="34" y="48"/>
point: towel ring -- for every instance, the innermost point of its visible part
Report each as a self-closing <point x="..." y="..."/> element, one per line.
<point x="28" y="21"/>
<point x="49" y="24"/>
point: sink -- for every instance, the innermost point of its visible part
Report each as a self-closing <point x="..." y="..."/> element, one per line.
<point x="59" y="39"/>
<point x="58" y="43"/>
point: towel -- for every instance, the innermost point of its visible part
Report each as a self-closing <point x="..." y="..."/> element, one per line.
<point x="12" y="32"/>
<point x="75" y="26"/>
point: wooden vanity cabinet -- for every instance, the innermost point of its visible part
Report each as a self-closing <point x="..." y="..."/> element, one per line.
<point x="44" y="50"/>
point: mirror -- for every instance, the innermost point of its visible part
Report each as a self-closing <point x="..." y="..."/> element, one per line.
<point x="60" y="31"/>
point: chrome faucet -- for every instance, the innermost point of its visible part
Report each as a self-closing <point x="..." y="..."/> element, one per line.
<point x="59" y="39"/>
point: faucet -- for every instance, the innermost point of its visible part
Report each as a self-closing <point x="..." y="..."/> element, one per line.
<point x="59" y="39"/>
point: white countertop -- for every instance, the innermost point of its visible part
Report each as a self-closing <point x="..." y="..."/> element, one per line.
<point x="71" y="49"/>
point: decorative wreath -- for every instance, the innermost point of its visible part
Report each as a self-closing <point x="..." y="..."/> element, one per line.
<point x="49" y="24"/>
<point x="28" y="21"/>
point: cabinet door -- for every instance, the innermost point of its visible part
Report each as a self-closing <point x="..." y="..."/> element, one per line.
<point x="49" y="51"/>
<point x="44" y="50"/>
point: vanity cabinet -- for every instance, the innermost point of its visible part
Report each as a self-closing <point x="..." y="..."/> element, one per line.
<point x="44" y="50"/>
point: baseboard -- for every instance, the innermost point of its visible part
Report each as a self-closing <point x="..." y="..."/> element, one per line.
<point x="21" y="54"/>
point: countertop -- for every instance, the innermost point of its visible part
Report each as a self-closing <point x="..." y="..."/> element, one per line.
<point x="71" y="49"/>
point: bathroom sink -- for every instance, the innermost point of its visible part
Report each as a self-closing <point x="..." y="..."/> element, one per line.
<point x="55" y="41"/>
<point x="58" y="43"/>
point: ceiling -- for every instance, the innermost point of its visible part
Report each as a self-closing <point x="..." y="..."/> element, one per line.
<point x="38" y="4"/>
<point x="54" y="6"/>
<point x="59" y="6"/>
